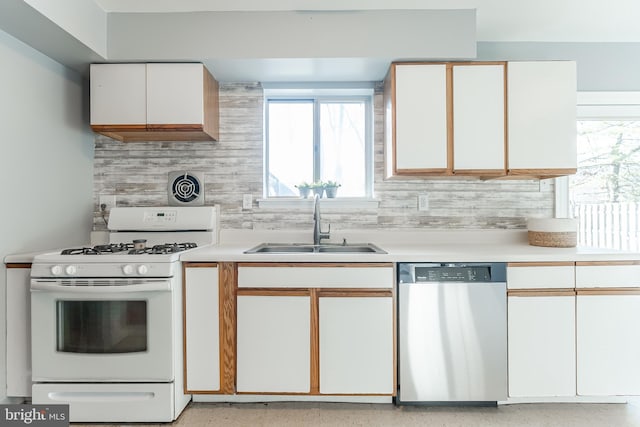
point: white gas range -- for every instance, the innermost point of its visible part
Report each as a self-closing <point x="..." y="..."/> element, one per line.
<point x="107" y="320"/>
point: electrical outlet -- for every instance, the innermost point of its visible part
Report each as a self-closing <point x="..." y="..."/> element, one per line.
<point x="247" y="202"/>
<point x="109" y="200"/>
<point x="544" y="185"/>
<point x="423" y="202"/>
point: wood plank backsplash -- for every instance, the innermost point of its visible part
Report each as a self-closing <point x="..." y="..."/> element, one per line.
<point x="137" y="174"/>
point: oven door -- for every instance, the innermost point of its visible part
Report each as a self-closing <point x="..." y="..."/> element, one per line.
<point x="85" y="331"/>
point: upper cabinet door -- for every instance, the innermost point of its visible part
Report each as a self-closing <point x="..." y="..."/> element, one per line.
<point x="420" y="141"/>
<point x="479" y="119"/>
<point x="118" y="94"/>
<point x="542" y="118"/>
<point x="175" y="94"/>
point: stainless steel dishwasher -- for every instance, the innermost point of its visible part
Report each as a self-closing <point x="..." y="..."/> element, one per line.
<point x="452" y="333"/>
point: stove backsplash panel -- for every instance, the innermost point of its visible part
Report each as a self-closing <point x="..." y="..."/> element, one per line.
<point x="137" y="174"/>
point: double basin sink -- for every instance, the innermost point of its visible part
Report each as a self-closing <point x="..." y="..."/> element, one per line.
<point x="290" y="248"/>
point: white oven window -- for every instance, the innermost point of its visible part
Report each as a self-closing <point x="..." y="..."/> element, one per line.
<point x="103" y="327"/>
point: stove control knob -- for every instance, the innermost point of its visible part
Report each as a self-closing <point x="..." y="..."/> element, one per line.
<point x="71" y="270"/>
<point x="143" y="269"/>
<point x="56" y="270"/>
<point x="127" y="269"/>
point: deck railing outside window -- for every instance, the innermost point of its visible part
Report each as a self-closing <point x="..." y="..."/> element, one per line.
<point x="609" y="225"/>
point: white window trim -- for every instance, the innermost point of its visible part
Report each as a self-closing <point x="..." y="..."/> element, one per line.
<point x="329" y="89"/>
<point x="596" y="106"/>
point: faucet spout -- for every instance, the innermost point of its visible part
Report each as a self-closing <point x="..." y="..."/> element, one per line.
<point x="318" y="234"/>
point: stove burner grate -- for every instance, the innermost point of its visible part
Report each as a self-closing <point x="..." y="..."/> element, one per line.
<point x="127" y="248"/>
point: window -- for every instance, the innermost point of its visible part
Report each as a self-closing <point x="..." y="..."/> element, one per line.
<point x="318" y="135"/>
<point x="605" y="192"/>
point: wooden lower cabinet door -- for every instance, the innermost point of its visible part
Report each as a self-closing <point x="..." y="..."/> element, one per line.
<point x="608" y="341"/>
<point x="273" y="344"/>
<point x="356" y="345"/>
<point x="542" y="353"/>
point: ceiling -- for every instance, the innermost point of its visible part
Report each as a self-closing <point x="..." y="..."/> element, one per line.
<point x="497" y="20"/>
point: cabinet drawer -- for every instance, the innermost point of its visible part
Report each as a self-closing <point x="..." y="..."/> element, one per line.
<point x="608" y="274"/>
<point x="315" y="276"/>
<point x="540" y="276"/>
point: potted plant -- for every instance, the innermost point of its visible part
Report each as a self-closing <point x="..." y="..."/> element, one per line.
<point x="304" y="188"/>
<point x="318" y="188"/>
<point x="331" y="188"/>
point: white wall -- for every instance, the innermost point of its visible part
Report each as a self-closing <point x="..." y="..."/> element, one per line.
<point x="46" y="159"/>
<point x="83" y="19"/>
<point x="600" y="66"/>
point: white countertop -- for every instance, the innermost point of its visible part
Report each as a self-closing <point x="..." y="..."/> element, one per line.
<point x="403" y="246"/>
<point x="23" y="258"/>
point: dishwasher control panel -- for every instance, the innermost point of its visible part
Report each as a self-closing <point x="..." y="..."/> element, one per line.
<point x="451" y="272"/>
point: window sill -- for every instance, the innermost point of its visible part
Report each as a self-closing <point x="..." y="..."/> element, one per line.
<point x="306" y="204"/>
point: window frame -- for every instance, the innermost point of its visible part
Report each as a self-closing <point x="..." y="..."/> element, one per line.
<point x="318" y="93"/>
<point x="623" y="105"/>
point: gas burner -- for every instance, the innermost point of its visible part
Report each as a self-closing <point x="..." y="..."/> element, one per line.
<point x="166" y="248"/>
<point x="128" y="248"/>
<point x="99" y="249"/>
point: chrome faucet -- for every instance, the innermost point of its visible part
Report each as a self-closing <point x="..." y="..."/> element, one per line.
<point x="318" y="234"/>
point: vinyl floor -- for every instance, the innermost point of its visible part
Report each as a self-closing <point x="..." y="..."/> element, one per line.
<point x="370" y="415"/>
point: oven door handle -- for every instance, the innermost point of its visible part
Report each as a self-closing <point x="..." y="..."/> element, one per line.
<point x="156" y="286"/>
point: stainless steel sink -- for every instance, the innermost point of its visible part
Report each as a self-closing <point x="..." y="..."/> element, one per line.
<point x="291" y="248"/>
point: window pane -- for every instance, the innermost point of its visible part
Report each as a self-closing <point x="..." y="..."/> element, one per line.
<point x="342" y="146"/>
<point x="605" y="192"/>
<point x="290" y="145"/>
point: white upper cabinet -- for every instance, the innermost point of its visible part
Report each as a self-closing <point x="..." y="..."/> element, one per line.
<point x="174" y="94"/>
<point x="478" y="119"/>
<point x="481" y="119"/>
<point x="118" y="94"/>
<point x="420" y="118"/>
<point x="151" y="102"/>
<point x="445" y="119"/>
<point x="542" y="118"/>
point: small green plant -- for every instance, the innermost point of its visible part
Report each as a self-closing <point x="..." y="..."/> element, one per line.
<point x="331" y="184"/>
<point x="302" y="185"/>
<point x="304" y="188"/>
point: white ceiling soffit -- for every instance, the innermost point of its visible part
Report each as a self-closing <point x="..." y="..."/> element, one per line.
<point x="294" y="45"/>
<point x="497" y="20"/>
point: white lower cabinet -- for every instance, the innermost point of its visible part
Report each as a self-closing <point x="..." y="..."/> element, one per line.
<point x="608" y="342"/>
<point x="18" y="330"/>
<point x="356" y="345"/>
<point x="273" y="348"/>
<point x="202" y="328"/>
<point x="315" y="329"/>
<point x="542" y="353"/>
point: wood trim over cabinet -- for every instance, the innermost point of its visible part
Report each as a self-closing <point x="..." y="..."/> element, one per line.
<point x="542" y="292"/>
<point x="18" y="265"/>
<point x="540" y="173"/>
<point x="605" y="263"/>
<point x="228" y="274"/>
<point x="542" y="264"/>
<point x="607" y="291"/>
<point x="314" y="385"/>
